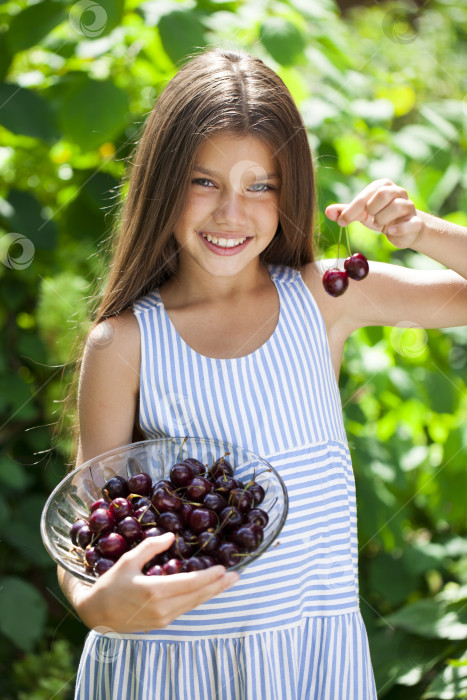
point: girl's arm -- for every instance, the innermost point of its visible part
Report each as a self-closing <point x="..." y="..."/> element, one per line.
<point x="123" y="599"/>
<point x="395" y="295"/>
<point x="386" y="207"/>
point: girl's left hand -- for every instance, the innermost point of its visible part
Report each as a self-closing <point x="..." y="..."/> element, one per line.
<point x="382" y="206"/>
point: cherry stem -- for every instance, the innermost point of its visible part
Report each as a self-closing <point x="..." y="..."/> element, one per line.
<point x="181" y="448"/>
<point x="338" y="247"/>
<point x="348" y="240"/>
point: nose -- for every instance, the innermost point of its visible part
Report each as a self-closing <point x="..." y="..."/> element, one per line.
<point x="231" y="210"/>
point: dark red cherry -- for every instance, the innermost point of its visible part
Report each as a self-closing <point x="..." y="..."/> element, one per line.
<point x="194" y="564"/>
<point x="335" y="282"/>
<point x="146" y="517"/>
<point x="172" y="566"/>
<point x="184" y="512"/>
<point x="201" y="519"/>
<point x="227" y="554"/>
<point x="155" y="570"/>
<point x="181" y="474"/>
<point x="75" y="528"/>
<point x="224" y="484"/>
<point x="241" y="499"/>
<point x="208" y="542"/>
<point x="245" y="537"/>
<point x="221" y="467"/>
<point x="357" y="266"/>
<point x="153" y="532"/>
<point x="170" y="521"/>
<point x="230" y="517"/>
<point x="112" y="545"/>
<point x="140" y="484"/>
<point x="164" y="501"/>
<point x="100" y="503"/>
<point x="198" y="467"/>
<point x="91" y="556"/>
<point x="121" y="508"/>
<point x="116" y="487"/>
<point x="138" y="501"/>
<point x="215" y="502"/>
<point x="257" y="491"/>
<point x="208" y="560"/>
<point x="103" y="565"/>
<point x="101" y="521"/>
<point x="130" y="529"/>
<point x="180" y="548"/>
<point x="163" y="484"/>
<point x="84" y="536"/>
<point x="198" y="488"/>
<point x="257" y="516"/>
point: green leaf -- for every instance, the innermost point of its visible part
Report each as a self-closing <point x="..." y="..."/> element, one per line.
<point x="24" y="612"/>
<point x="33" y="23"/>
<point x="282" y="39"/>
<point x="431" y="617"/>
<point x="441" y="392"/>
<point x="96" y="19"/>
<point x="5" y="56"/>
<point x="13" y="475"/>
<point x="92" y="112"/>
<point x="181" y="32"/>
<point x="27" y="112"/>
<point x="26" y="217"/>
<point x="451" y="683"/>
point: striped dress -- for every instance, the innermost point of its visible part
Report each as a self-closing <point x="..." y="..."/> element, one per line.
<point x="291" y="626"/>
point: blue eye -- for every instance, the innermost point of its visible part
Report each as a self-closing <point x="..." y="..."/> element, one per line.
<point x="262" y="185"/>
<point x="202" y="181"/>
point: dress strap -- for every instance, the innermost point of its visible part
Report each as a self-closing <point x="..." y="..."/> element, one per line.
<point x="283" y="273"/>
<point x="147" y="302"/>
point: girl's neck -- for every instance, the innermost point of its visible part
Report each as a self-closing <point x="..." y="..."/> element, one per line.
<point x="187" y="288"/>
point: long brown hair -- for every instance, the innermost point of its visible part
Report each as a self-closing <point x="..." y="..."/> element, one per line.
<point x="217" y="90"/>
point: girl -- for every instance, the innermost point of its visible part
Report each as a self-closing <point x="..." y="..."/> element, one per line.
<point x="215" y="323"/>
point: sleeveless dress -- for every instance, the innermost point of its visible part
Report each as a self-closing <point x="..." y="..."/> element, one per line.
<point x="291" y="627"/>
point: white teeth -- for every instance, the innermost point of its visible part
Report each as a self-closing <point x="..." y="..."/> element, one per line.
<point x="224" y="242"/>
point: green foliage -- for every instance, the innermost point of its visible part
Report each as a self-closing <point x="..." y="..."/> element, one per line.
<point x="382" y="91"/>
<point x="48" y="674"/>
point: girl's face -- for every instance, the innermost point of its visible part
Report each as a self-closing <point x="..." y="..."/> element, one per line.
<point x="233" y="198"/>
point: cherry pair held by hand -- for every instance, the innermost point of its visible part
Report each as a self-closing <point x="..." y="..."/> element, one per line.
<point x="336" y="281"/>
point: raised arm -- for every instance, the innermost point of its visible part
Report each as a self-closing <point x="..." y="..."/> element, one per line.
<point x="123" y="599"/>
<point x="384" y="206"/>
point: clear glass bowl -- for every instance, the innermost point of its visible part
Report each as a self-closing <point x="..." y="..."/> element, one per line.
<point x="75" y="493"/>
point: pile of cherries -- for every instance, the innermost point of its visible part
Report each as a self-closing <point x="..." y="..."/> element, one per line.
<point x="215" y="518"/>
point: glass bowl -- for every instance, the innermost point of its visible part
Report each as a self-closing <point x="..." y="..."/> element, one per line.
<point x="75" y="493"/>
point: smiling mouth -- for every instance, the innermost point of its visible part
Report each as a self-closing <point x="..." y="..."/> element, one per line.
<point x="224" y="242"/>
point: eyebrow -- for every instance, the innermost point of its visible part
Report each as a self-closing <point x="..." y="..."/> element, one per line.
<point x="269" y="176"/>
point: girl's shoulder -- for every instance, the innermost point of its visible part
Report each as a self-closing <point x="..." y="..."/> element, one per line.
<point x="114" y="344"/>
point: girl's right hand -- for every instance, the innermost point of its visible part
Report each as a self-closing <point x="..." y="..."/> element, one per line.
<point x="125" y="600"/>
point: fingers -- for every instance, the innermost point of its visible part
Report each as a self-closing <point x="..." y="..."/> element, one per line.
<point x="380" y="204"/>
<point x="200" y="592"/>
<point x="146" y="550"/>
<point x="403" y="229"/>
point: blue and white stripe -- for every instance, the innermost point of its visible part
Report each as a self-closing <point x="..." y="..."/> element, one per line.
<point x="291" y="627"/>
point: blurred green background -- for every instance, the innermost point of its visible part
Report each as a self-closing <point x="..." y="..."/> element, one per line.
<point x="382" y="88"/>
